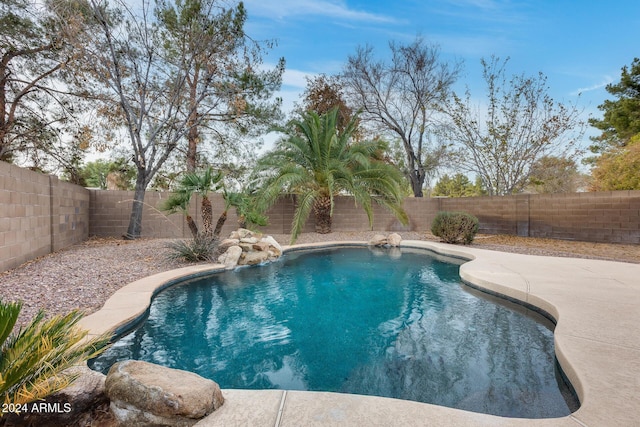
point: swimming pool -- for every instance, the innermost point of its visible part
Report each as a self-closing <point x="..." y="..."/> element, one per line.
<point x="388" y="323"/>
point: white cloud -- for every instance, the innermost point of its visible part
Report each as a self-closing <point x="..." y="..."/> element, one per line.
<point x="296" y="78"/>
<point x="605" y="81"/>
<point x="334" y="9"/>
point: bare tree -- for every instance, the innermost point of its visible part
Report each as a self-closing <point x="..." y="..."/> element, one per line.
<point x="145" y="91"/>
<point x="207" y="40"/>
<point x="139" y="91"/>
<point x="324" y="93"/>
<point x="402" y="98"/>
<point x="35" y="48"/>
<point x="520" y="124"/>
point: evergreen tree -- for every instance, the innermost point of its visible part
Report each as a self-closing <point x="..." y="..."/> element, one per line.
<point x="457" y="186"/>
<point x="617" y="166"/>
<point x="621" y="120"/>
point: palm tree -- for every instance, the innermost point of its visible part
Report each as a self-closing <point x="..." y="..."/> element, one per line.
<point x="200" y="183"/>
<point x="248" y="212"/>
<point x="317" y="162"/>
<point x="33" y="361"/>
<point x="179" y="202"/>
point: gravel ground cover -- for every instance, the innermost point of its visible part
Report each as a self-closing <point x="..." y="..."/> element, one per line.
<point x="85" y="275"/>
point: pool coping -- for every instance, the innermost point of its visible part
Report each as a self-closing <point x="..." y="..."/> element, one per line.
<point x="595" y="303"/>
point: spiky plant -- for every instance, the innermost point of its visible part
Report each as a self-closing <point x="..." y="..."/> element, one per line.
<point x="200" y="248"/>
<point x="317" y="162"/>
<point x="33" y="360"/>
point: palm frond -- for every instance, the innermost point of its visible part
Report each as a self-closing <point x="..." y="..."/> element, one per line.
<point x="316" y="160"/>
<point x="301" y="214"/>
<point x="34" y="360"/>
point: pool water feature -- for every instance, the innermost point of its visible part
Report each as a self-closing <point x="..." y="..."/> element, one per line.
<point x="394" y="323"/>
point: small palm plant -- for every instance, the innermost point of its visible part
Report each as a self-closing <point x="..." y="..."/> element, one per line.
<point x="245" y="205"/>
<point x="179" y="202"/>
<point x="205" y="241"/>
<point x="201" y="183"/>
<point x="316" y="162"/>
<point x="33" y="360"/>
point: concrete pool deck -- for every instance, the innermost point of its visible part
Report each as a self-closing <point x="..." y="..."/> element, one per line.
<point x="597" y="339"/>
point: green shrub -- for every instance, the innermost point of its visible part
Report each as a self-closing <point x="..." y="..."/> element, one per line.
<point x="455" y="227"/>
<point x="201" y="248"/>
<point x="34" y="360"/>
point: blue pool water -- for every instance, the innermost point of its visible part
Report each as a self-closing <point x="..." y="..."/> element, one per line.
<point x="353" y="320"/>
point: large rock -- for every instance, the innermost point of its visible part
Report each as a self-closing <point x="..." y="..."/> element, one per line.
<point x="243" y="233"/>
<point x="394" y="239"/>
<point x="261" y="246"/>
<point x="273" y="243"/>
<point x="231" y="257"/>
<point x="254" y="248"/>
<point x="252" y="258"/>
<point x="226" y="243"/>
<point x="144" y="394"/>
<point x="378" y="240"/>
<point x="86" y="391"/>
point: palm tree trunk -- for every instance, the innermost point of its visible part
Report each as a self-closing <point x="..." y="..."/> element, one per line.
<point x="207" y="216"/>
<point x="221" y="220"/>
<point x="322" y="212"/>
<point x="192" y="225"/>
<point x="242" y="221"/>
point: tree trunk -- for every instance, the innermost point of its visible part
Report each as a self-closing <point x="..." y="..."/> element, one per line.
<point x="192" y="225"/>
<point x="417" y="181"/>
<point x="192" y="138"/>
<point x="192" y="123"/>
<point x="135" y="220"/>
<point x="322" y="212"/>
<point x="242" y="221"/>
<point x="220" y="224"/>
<point x="207" y="216"/>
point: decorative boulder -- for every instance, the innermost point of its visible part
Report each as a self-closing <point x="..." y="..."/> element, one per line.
<point x="378" y="240"/>
<point x="273" y="243"/>
<point x="261" y="246"/>
<point x="245" y="247"/>
<point x="86" y="391"/>
<point x="226" y="243"/>
<point x="244" y="233"/>
<point x="144" y="394"/>
<point x="252" y="258"/>
<point x="394" y="239"/>
<point x="231" y="257"/>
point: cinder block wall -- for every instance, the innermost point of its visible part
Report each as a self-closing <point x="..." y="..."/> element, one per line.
<point x="110" y="212"/>
<point x="69" y="213"/>
<point x="38" y="215"/>
<point x="597" y="217"/>
<point x="610" y="217"/>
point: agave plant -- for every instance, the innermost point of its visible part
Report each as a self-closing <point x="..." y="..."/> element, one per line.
<point x="317" y="162"/>
<point x="33" y="360"/>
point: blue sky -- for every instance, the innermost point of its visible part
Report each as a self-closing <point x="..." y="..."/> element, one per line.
<point x="579" y="45"/>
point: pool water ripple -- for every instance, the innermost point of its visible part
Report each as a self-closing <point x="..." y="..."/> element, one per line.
<point x="354" y="320"/>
